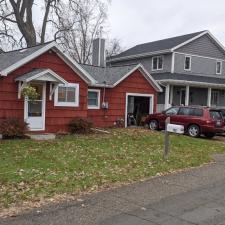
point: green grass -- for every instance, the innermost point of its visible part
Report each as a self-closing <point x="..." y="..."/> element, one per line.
<point x="33" y="170"/>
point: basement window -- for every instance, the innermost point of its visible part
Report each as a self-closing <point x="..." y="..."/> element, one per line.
<point x="93" y="99"/>
<point x="218" y="67"/>
<point x="157" y="63"/>
<point x="67" y="95"/>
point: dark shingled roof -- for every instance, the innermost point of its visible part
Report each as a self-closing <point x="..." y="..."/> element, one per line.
<point x="189" y="77"/>
<point x="110" y="75"/>
<point x="160" y="45"/>
<point x="9" y="58"/>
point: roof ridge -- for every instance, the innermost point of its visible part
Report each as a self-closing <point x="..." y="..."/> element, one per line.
<point x="199" y="32"/>
<point x="17" y="50"/>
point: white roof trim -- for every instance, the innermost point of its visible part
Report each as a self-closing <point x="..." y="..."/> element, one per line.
<point x="145" y="73"/>
<point x="191" y="83"/>
<point x="216" y="40"/>
<point x="39" y="52"/>
<point x="140" y="55"/>
<point x="34" y="77"/>
<point x="196" y="37"/>
<point x="64" y="56"/>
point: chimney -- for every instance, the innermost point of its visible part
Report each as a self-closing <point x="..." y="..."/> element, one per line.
<point x="98" y="51"/>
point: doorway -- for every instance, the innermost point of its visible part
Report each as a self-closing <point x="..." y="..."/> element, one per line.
<point x="34" y="110"/>
<point x="215" y="98"/>
<point x="137" y="107"/>
<point x="182" y="96"/>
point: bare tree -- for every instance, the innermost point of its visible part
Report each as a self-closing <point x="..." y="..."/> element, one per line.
<point x="81" y="26"/>
<point x="113" y="47"/>
<point x="16" y="20"/>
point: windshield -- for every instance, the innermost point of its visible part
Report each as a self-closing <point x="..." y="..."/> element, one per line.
<point x="215" y="115"/>
<point x="172" y="111"/>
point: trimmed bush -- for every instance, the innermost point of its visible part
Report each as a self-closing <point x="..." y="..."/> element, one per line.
<point x="13" y="128"/>
<point x="80" y="126"/>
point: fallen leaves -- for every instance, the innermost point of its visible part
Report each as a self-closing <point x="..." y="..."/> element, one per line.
<point x="35" y="173"/>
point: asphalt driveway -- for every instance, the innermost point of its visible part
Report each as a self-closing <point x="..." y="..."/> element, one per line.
<point x="196" y="196"/>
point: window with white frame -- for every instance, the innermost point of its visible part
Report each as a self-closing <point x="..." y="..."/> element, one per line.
<point x="187" y="63"/>
<point x="157" y="63"/>
<point x="67" y="95"/>
<point x="93" y="99"/>
<point x="218" y="67"/>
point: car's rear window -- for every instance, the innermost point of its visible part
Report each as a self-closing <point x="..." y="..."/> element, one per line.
<point x="223" y="112"/>
<point x="215" y="115"/>
<point x="191" y="111"/>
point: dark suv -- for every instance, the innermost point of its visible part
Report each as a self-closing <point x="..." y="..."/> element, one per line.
<point x="196" y="120"/>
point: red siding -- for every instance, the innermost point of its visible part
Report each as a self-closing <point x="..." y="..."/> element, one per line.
<point x="116" y="98"/>
<point x="57" y="118"/>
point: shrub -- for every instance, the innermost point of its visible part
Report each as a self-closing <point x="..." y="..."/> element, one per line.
<point x="13" y="128"/>
<point x="80" y="125"/>
<point x="30" y="92"/>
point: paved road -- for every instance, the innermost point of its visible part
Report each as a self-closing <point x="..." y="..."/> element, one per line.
<point x="193" y="197"/>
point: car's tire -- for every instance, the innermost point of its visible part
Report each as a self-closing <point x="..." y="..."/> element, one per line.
<point x="153" y="125"/>
<point x="209" y="135"/>
<point x="193" y="131"/>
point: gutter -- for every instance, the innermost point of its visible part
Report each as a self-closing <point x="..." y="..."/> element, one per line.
<point x="190" y="83"/>
<point x="140" y="55"/>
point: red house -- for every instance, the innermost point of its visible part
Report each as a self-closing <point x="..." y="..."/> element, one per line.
<point x="68" y="90"/>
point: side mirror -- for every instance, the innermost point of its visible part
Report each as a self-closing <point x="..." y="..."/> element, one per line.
<point x="164" y="112"/>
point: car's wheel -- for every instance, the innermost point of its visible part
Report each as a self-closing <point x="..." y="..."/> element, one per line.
<point x="209" y="135"/>
<point x="153" y="125"/>
<point x="193" y="130"/>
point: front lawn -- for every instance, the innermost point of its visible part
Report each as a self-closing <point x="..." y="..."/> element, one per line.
<point x="34" y="170"/>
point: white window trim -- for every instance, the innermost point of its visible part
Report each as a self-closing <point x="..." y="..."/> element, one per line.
<point x="151" y="103"/>
<point x="67" y="104"/>
<point x="187" y="56"/>
<point x="99" y="94"/>
<point x="159" y="56"/>
<point x="221" y="64"/>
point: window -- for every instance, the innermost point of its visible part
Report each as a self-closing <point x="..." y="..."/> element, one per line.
<point x="215" y="98"/>
<point x="157" y="63"/>
<point x="67" y="95"/>
<point x="93" y="99"/>
<point x="172" y="111"/>
<point x="218" y="67"/>
<point x="216" y="115"/>
<point x="190" y="112"/>
<point x="187" y="63"/>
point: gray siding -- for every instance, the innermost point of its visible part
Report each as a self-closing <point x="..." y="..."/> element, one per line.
<point x="203" y="46"/>
<point x="147" y="63"/>
<point x="197" y="96"/>
<point x="221" y="98"/>
<point x="199" y="65"/>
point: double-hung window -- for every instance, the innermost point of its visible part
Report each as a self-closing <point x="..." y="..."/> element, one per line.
<point x="93" y="99"/>
<point x="157" y="63"/>
<point x="187" y="63"/>
<point x="67" y="95"/>
<point x="218" y="67"/>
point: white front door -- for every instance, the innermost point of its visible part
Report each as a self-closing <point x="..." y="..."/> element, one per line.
<point x="35" y="110"/>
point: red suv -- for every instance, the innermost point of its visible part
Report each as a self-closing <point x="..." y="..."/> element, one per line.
<point x="196" y="120"/>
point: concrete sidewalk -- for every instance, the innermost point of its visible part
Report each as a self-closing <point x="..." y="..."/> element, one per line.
<point x="196" y="196"/>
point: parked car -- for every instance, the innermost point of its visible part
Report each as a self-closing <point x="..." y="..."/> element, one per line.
<point x="196" y="120"/>
<point x="222" y="110"/>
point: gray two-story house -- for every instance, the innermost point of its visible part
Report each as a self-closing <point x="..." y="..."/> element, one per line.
<point x="190" y="68"/>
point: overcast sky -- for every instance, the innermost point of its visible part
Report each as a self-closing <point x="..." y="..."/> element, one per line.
<point x="139" y="21"/>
